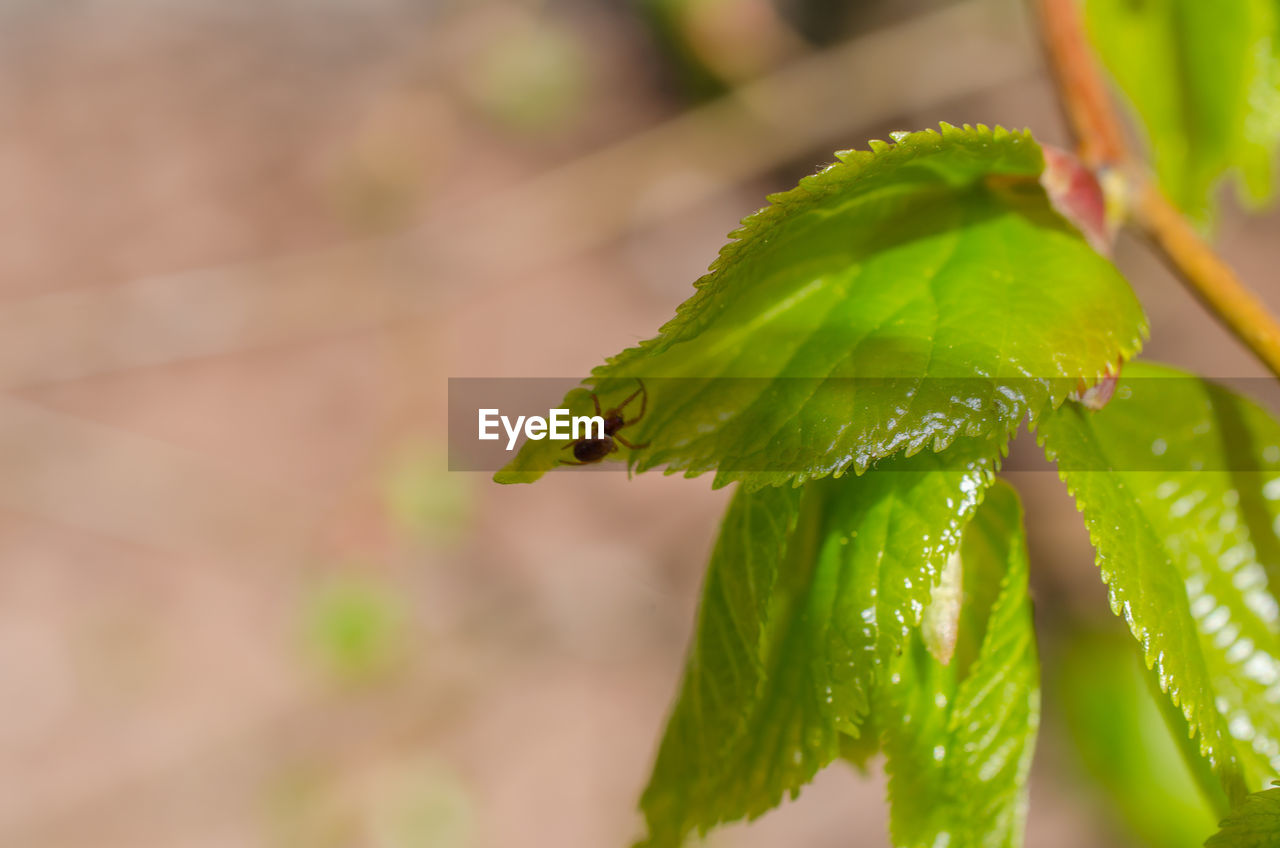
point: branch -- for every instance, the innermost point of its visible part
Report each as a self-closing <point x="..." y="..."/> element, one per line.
<point x="1207" y="275"/>
<point x="1080" y="85"/>
<point x="1092" y="116"/>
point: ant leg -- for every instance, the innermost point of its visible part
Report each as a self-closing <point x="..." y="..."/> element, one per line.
<point x="596" y="401"/>
<point x="623" y="441"/>
<point x="644" y="403"/>
<point x="631" y="397"/>
<point x="568" y="445"/>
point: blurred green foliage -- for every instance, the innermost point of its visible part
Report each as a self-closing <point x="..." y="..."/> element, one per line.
<point x="355" y="627"/>
<point x="1125" y="746"/>
<point x="426" y="806"/>
<point x="709" y="46"/>
<point x="1204" y="79"/>
<point x="423" y="499"/>
<point x="422" y="803"/>
<point x="668" y="22"/>
<point x="531" y="77"/>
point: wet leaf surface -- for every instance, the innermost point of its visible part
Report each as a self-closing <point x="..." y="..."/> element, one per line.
<point x="1179" y="483"/>
<point x="904" y="297"/>
<point x="810" y="591"/>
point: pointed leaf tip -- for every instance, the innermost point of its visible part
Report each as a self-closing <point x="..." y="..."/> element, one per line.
<point x="849" y="320"/>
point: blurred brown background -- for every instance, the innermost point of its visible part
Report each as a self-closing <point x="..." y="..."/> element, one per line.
<point x="242" y="602"/>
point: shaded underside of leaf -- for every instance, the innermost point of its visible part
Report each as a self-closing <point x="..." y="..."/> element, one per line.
<point x="904" y="297"/>
<point x="1177" y="480"/>
<point x="1205" y="80"/>
<point x="809" y="591"/>
<point x="959" y="737"/>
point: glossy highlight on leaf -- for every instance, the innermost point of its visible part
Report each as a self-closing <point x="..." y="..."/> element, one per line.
<point x="902" y="298"/>
<point x="959" y="736"/>
<point x="809" y="592"/>
<point x="1179" y="483"/>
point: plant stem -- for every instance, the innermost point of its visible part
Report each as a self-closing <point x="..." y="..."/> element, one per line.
<point x="1208" y="276"/>
<point x="1092" y="116"/>
<point x="1081" y="89"/>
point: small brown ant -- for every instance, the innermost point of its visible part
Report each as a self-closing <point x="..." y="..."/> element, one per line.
<point x="589" y="451"/>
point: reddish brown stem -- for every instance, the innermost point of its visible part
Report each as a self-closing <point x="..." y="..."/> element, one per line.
<point x="1080" y="85"/>
<point x="1100" y="137"/>
<point x="1208" y="276"/>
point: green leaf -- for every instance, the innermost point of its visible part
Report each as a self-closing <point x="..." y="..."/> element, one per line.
<point x="959" y="737"/>
<point x="1118" y="734"/>
<point x="809" y="591"/>
<point x="1204" y="79"/>
<point x="1211" y="793"/>
<point x="1178" y="480"/>
<point x="1254" y="824"/>
<point x="901" y="298"/>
